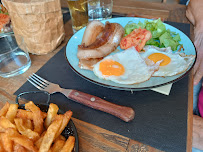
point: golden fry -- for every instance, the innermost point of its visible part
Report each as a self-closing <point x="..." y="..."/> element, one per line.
<point x="69" y="144"/>
<point x="11" y="131"/>
<point x="1" y="144"/>
<point x="28" y="124"/>
<point x="58" y="117"/>
<point x="19" y="148"/>
<point x="37" y="116"/>
<point x="39" y="141"/>
<point x="66" y="119"/>
<point x="24" y="141"/>
<point x="2" y="129"/>
<point x="24" y="131"/>
<point x="58" y="145"/>
<point x="24" y="114"/>
<point x="60" y="137"/>
<point x="52" y="112"/>
<point x="49" y="135"/>
<point x="20" y="139"/>
<point x="27" y="114"/>
<point x="5" y="123"/>
<point x="4" y="110"/>
<point x="7" y="142"/>
<point x="12" y="110"/>
<point x="1" y="147"/>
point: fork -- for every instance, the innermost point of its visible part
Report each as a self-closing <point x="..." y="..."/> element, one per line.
<point x="124" y="113"/>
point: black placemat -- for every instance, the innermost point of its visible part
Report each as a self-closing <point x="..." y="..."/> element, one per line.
<point x="160" y="121"/>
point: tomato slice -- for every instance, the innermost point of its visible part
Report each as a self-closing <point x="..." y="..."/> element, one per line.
<point x="3" y="20"/>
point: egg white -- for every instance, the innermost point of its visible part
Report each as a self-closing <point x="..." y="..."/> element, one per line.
<point x="179" y="61"/>
<point x="136" y="69"/>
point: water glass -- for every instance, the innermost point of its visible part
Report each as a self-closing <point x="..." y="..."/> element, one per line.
<point x="13" y="60"/>
<point x="99" y="9"/>
<point x="79" y="14"/>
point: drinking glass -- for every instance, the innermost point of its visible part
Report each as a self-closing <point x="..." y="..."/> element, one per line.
<point x="13" y="60"/>
<point x="99" y="9"/>
<point x="79" y="13"/>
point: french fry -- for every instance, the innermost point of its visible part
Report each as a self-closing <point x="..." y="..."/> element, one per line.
<point x="58" y="145"/>
<point x="22" y="140"/>
<point x="49" y="135"/>
<point x="52" y="112"/>
<point x="7" y="142"/>
<point x="39" y="141"/>
<point x="37" y="116"/>
<point x="28" y="124"/>
<point x="60" y="137"/>
<point x="69" y="144"/>
<point x="12" y="110"/>
<point x="24" y="114"/>
<point x="1" y="147"/>
<point x="2" y="129"/>
<point x="25" y="131"/>
<point x="4" y="110"/>
<point x="1" y="144"/>
<point x="66" y="119"/>
<point x="11" y="131"/>
<point x="27" y="114"/>
<point x="19" y="148"/>
<point x="5" y="123"/>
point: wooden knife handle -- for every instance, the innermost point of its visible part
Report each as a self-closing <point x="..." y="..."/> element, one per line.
<point x="125" y="113"/>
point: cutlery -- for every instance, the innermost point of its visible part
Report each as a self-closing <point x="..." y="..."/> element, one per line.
<point x="124" y="113"/>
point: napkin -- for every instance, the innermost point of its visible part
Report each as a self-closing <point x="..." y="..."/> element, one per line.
<point x="163" y="89"/>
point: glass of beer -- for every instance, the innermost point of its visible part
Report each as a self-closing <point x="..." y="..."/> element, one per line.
<point x="79" y="13"/>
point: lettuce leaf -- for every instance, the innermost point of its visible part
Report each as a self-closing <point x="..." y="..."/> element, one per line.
<point x="153" y="42"/>
<point x="161" y="37"/>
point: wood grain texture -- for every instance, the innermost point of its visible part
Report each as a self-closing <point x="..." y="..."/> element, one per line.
<point x="135" y="146"/>
<point x="108" y="141"/>
<point x="190" y="113"/>
<point x="137" y="8"/>
<point x="124" y="113"/>
<point x="91" y="137"/>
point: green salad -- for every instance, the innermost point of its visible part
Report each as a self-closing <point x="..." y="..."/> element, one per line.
<point x="161" y="37"/>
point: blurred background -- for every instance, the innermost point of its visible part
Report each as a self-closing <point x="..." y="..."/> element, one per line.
<point x="64" y="2"/>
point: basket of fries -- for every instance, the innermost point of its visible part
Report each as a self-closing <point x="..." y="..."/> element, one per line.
<point x="30" y="127"/>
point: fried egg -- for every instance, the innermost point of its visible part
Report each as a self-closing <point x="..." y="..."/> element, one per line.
<point x="172" y="63"/>
<point x="126" y="67"/>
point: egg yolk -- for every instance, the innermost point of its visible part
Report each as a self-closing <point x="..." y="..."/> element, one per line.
<point x="111" y="67"/>
<point x="159" y="56"/>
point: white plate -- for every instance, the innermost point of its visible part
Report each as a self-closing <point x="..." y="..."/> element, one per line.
<point x="76" y="39"/>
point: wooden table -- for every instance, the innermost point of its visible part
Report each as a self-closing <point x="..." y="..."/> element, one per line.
<point x="91" y="137"/>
